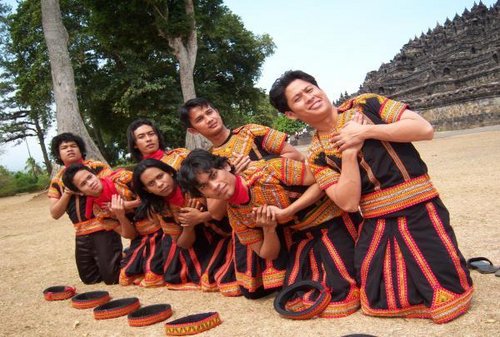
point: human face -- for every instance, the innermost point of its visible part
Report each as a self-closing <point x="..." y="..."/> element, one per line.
<point x="158" y="182"/>
<point x="69" y="152"/>
<point x="146" y="139"/>
<point x="307" y="103"/>
<point x="87" y="183"/>
<point x="217" y="184"/>
<point x="206" y="121"/>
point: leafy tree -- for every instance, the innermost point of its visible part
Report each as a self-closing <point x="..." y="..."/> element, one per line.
<point x="32" y="167"/>
<point x="287" y="125"/>
<point x="144" y="68"/>
<point x="25" y="95"/>
<point x="124" y="68"/>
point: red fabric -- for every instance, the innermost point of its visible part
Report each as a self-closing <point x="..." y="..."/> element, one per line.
<point x="240" y="195"/>
<point x="108" y="189"/>
<point x="158" y="154"/>
<point x="176" y="198"/>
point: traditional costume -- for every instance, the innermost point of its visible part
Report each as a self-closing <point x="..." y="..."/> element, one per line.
<point x="407" y="259"/>
<point x="98" y="248"/>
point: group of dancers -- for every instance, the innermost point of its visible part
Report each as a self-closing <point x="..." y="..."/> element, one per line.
<point x="253" y="215"/>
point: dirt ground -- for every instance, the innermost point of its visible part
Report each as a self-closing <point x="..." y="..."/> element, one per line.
<point x="37" y="252"/>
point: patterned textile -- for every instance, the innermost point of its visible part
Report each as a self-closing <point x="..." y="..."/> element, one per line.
<point x="325" y="254"/>
<point x="277" y="182"/>
<point x="175" y="157"/>
<point x="407" y="259"/>
<point x="256" y="141"/>
<point x="143" y="261"/>
<point x="77" y="204"/>
<point x="205" y="265"/>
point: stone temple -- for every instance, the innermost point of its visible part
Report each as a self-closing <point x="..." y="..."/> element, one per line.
<point x="451" y="74"/>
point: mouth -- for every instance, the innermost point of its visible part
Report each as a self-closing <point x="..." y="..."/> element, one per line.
<point x="315" y="105"/>
<point x="166" y="190"/>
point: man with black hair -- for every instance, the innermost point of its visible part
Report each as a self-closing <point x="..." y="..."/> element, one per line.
<point x="277" y="210"/>
<point x="97" y="251"/>
<point x="407" y="259"/>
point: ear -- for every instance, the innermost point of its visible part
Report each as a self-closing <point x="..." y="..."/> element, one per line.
<point x="227" y="167"/>
<point x="193" y="131"/>
<point x="291" y="115"/>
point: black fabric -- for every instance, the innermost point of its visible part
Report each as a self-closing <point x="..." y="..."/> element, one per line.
<point x="98" y="257"/>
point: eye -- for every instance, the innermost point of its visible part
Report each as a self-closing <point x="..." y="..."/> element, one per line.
<point x="213" y="175"/>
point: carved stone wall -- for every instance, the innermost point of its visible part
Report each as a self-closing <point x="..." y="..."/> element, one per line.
<point x="451" y="74"/>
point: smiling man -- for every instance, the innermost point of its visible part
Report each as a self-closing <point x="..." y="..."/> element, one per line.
<point x="252" y="141"/>
<point x="407" y="259"/>
<point x="97" y="251"/>
<point x="275" y="203"/>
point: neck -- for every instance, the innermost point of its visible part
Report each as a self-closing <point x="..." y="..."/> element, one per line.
<point x="240" y="195"/>
<point x="220" y="138"/>
<point x="80" y="161"/>
<point x="158" y="154"/>
<point x="329" y="123"/>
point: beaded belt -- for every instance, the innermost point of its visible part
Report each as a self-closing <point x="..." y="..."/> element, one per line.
<point x="396" y="198"/>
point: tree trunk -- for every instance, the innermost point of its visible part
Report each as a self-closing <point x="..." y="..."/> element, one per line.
<point x="185" y="52"/>
<point x="41" y="141"/>
<point x="67" y="112"/>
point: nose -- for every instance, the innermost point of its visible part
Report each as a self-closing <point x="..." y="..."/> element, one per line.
<point x="159" y="184"/>
<point x="308" y="96"/>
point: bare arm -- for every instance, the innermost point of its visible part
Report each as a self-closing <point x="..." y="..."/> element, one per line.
<point x="126" y="229"/>
<point x="189" y="217"/>
<point x="291" y="152"/>
<point x="187" y="237"/>
<point x="217" y="208"/>
<point x="58" y="206"/>
<point x="346" y="193"/>
<point x="270" y="247"/>
<point x="411" y="127"/>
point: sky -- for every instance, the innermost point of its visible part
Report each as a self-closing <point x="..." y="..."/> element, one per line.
<point x="336" y="41"/>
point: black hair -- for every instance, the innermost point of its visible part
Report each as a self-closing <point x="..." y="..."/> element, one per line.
<point x="66" y="137"/>
<point x="132" y="149"/>
<point x="198" y="161"/>
<point x="150" y="203"/>
<point x="69" y="175"/>
<point x="277" y="95"/>
<point x="190" y="104"/>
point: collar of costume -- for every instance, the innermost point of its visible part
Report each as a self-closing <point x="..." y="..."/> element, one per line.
<point x="79" y="161"/>
<point x="158" y="154"/>
<point x="176" y="197"/>
<point x="108" y="189"/>
<point x="240" y="195"/>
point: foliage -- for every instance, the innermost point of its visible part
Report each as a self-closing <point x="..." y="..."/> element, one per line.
<point x="287" y="125"/>
<point x="144" y="73"/>
<point x="125" y="70"/>
<point x="21" y="182"/>
<point x="25" y="88"/>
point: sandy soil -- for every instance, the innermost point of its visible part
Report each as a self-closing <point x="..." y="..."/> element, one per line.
<point x="37" y="252"/>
